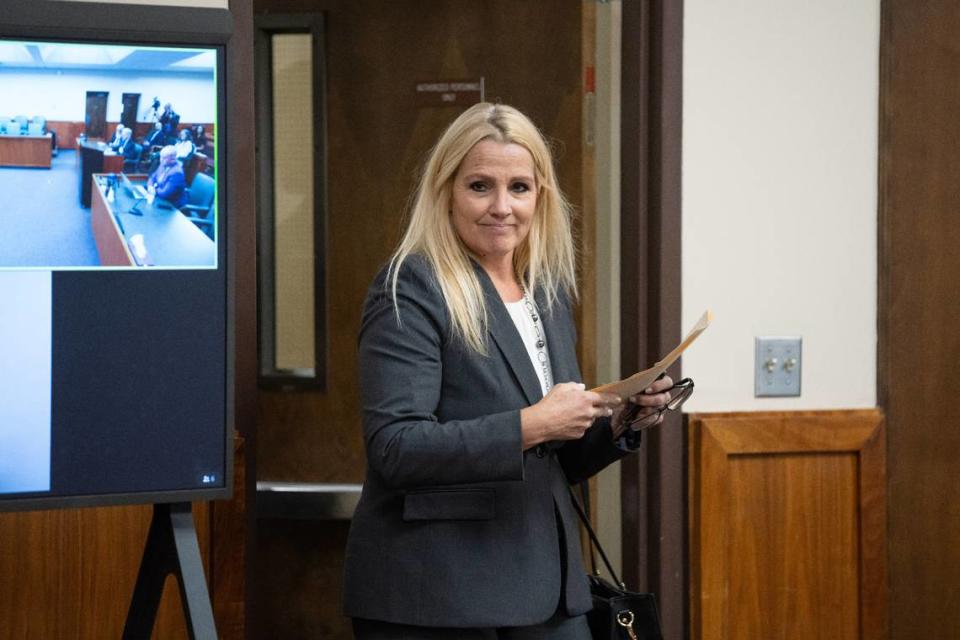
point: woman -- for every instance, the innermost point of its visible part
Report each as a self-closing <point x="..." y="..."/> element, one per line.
<point x="474" y="419"/>
<point x="185" y="147"/>
<point x="200" y="139"/>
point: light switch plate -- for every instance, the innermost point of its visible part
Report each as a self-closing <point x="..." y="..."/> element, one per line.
<point x="777" y="367"/>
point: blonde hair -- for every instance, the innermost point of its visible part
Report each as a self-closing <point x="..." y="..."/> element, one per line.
<point x="546" y="257"/>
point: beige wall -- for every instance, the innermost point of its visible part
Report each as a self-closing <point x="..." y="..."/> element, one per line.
<point x="779" y="200"/>
<point x="780" y="195"/>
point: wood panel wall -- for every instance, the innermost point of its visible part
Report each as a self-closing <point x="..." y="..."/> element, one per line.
<point x="787" y="525"/>
<point x="68" y="131"/>
<point x="919" y="309"/>
<point x="70" y="573"/>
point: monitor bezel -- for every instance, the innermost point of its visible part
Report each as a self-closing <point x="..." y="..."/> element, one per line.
<point x="85" y="22"/>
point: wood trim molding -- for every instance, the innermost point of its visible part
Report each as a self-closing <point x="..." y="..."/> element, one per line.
<point x="717" y="442"/>
<point x="237" y="572"/>
<point x="917" y="267"/>
<point x="653" y="481"/>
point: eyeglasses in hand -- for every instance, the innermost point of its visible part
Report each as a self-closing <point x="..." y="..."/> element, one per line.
<point x="679" y="393"/>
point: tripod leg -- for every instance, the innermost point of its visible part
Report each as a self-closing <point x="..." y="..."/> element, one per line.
<point x="193" y="583"/>
<point x="154" y="568"/>
<point x="171" y="548"/>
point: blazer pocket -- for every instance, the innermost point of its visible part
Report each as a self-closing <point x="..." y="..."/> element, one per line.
<point x="469" y="504"/>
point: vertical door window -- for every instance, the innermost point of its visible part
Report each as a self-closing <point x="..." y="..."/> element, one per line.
<point x="291" y="209"/>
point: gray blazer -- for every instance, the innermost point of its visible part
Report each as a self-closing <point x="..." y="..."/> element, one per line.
<point x="457" y="526"/>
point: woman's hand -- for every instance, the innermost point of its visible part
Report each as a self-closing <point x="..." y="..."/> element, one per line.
<point x="565" y="413"/>
<point x="650" y="401"/>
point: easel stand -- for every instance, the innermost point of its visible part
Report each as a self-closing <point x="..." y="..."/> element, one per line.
<point x="171" y="548"/>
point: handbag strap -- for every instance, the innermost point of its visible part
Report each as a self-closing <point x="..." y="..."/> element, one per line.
<point x="594" y="541"/>
<point x="585" y="498"/>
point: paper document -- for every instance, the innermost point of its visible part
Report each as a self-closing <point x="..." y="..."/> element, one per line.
<point x="642" y="379"/>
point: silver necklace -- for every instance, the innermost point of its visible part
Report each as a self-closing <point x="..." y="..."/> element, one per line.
<point x="540" y="344"/>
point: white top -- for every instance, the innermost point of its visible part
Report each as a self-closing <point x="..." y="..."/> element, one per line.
<point x="521" y="318"/>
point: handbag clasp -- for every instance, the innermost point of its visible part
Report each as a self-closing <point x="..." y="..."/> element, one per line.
<point x="625" y="619"/>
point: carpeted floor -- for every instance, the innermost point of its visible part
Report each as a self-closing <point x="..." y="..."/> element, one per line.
<point x="41" y="221"/>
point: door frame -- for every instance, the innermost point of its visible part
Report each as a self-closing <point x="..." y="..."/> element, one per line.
<point x="653" y="482"/>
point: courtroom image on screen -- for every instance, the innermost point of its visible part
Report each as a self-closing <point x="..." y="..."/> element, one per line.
<point x="108" y="156"/>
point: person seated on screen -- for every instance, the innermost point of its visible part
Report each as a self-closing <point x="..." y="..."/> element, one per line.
<point x="155" y="138"/>
<point x="117" y="136"/>
<point x="168" y="181"/>
<point x="152" y="143"/>
<point x="200" y="139"/>
<point x="129" y="149"/>
<point x="126" y="141"/>
<point x="185" y="146"/>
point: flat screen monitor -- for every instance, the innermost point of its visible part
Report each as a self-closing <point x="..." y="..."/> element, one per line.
<point x="114" y="375"/>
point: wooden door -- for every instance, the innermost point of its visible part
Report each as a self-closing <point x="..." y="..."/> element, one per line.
<point x="131" y="106"/>
<point x="378" y="135"/>
<point x="95" y="120"/>
<point x="377" y="138"/>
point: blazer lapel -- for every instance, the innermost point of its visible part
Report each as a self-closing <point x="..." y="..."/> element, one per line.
<point x="507" y="338"/>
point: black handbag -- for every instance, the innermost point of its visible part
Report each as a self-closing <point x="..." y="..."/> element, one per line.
<point x="618" y="613"/>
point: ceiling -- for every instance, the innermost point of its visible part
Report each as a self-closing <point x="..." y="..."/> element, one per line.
<point x="62" y="56"/>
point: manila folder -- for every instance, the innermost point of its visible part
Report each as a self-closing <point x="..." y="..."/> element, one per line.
<point x="641" y="380"/>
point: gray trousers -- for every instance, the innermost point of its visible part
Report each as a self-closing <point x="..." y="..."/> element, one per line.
<point x="559" y="627"/>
